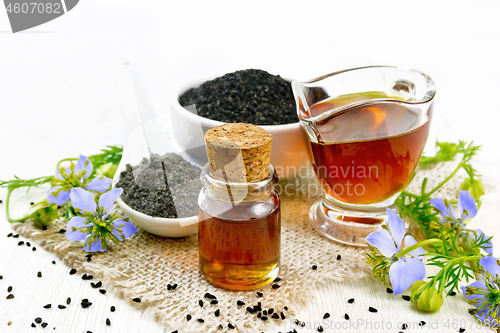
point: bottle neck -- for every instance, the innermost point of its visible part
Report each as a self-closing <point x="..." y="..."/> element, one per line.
<point x="237" y="192"/>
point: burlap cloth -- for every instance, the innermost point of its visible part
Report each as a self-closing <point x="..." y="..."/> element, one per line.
<point x="143" y="266"/>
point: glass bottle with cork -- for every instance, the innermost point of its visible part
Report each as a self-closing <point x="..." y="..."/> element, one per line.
<point x="239" y="233"/>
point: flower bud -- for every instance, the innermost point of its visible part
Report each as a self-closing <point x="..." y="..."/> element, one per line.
<point x="475" y="187"/>
<point x="428" y="300"/>
<point x="44" y="214"/>
<point x="107" y="170"/>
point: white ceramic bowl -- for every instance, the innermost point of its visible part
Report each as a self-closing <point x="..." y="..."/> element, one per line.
<point x="289" y="149"/>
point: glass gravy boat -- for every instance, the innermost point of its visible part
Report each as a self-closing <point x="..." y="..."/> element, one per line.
<point x="367" y="128"/>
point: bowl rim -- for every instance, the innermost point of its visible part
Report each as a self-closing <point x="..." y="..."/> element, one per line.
<point x="210" y="122"/>
<point x="158" y="220"/>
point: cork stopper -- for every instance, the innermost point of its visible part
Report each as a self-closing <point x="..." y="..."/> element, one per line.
<point x="238" y="152"/>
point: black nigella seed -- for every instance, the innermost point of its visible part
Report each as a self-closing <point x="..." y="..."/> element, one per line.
<point x="350" y="300"/>
<point x="264" y="318"/>
<point x="339" y="257"/>
<point x="176" y="331"/>
<point x="60" y="306"/>
<point x="39" y="274"/>
<point x="10" y="235"/>
<point x="72" y="271"/>
<point x="108" y="322"/>
<point x="461" y="330"/>
<point x="230" y="326"/>
<point x="169" y="286"/>
<point x="249" y="309"/>
<point x="53" y="262"/>
<point x="217" y="312"/>
<point x="200" y="302"/>
<point x="320" y="328"/>
<point x="188" y="317"/>
<point x="33" y="325"/>
<point x="85" y="303"/>
<point x="406" y="297"/>
<point x="32" y="203"/>
<point x="264" y="312"/>
<point x="44" y="227"/>
<point x="62" y="231"/>
<point x="286" y="308"/>
<point x="1" y="277"/>
<point x="102" y="291"/>
<point x="28" y="244"/>
<point x="346" y="316"/>
<point x="270" y="311"/>
<point x="275" y="286"/>
<point x="214" y="301"/>
<point x="259" y="315"/>
<point x="68" y="300"/>
<point x="260" y="294"/>
<point x="389" y="291"/>
<point x="20" y="243"/>
<point x="137" y="300"/>
<point x="10" y="296"/>
<point x="210" y="296"/>
<point x="9" y="289"/>
<point x="87" y="277"/>
<point x="38" y="320"/>
<point x="98" y="284"/>
<point x="453" y="293"/>
<point x="282" y="316"/>
<point x="201" y="320"/>
<point x="113" y="309"/>
<point x="33" y="249"/>
<point x="277" y="280"/>
<point x="314" y="267"/>
<point x="240" y="303"/>
<point x="48" y="306"/>
<point x="404" y="326"/>
<point x="220" y="327"/>
<point x="44" y="325"/>
<point x="422" y="323"/>
<point x="174" y="286"/>
<point x="275" y="316"/>
<point x="89" y="257"/>
<point x="371" y="309"/>
<point x="326" y="316"/>
<point x="15" y="236"/>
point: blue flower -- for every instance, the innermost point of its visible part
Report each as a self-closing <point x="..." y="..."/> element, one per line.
<point x="74" y="176"/>
<point x="405" y="270"/>
<point x="484" y="295"/>
<point x="99" y="224"/>
<point x="466" y="206"/>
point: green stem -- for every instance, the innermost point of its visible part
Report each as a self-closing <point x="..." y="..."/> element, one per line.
<point x="445" y="180"/>
<point x="432" y="241"/>
<point x="64" y="160"/>
<point x="11" y="220"/>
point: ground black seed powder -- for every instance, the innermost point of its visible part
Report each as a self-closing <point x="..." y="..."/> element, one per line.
<point x="163" y="186"/>
<point x="248" y="96"/>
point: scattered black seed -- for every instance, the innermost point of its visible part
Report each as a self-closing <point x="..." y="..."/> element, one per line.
<point x="169" y="286"/>
<point x="48" y="306"/>
<point x="44" y="325"/>
<point x="346" y="316"/>
<point x="108" y="322"/>
<point x="39" y="274"/>
<point x="214" y="301"/>
<point x="286" y="308"/>
<point x="145" y="188"/>
<point x="422" y="323"/>
<point x="201" y="320"/>
<point x="72" y="271"/>
<point x="68" y="300"/>
<point x="260" y="294"/>
<point x="270" y="311"/>
<point x="461" y="330"/>
<point x="240" y="303"/>
<point x="60" y="306"/>
<point x="33" y="325"/>
<point x="339" y="257"/>
<point x="277" y="280"/>
<point x="249" y="309"/>
<point x="389" y="291"/>
<point x="38" y="320"/>
<point x="217" y="312"/>
<point x="188" y="317"/>
<point x="406" y="297"/>
<point x="1" y="277"/>
<point x="53" y="262"/>
<point x="28" y="244"/>
<point x="371" y="309"/>
<point x="137" y="300"/>
<point x="320" y="329"/>
<point x="326" y="316"/>
<point x="302" y="324"/>
<point x="230" y="326"/>
<point x="453" y="293"/>
<point x="200" y="302"/>
<point x="89" y="257"/>
<point x="259" y="315"/>
<point x="9" y="289"/>
<point x="210" y="296"/>
<point x="282" y="316"/>
<point x="62" y="231"/>
<point x="275" y="286"/>
<point x="10" y="296"/>
<point x="15" y="236"/>
<point x="174" y="286"/>
<point x="264" y="312"/>
<point x="102" y="291"/>
<point x="85" y="300"/>
<point x="20" y="243"/>
<point x="113" y="309"/>
<point x="10" y="235"/>
<point x="264" y="318"/>
<point x="32" y="203"/>
<point x="404" y="326"/>
<point x="350" y="300"/>
<point x="176" y="331"/>
<point x="33" y="249"/>
<point x="314" y="267"/>
<point x="1" y="201"/>
<point x="44" y="227"/>
<point x="85" y="303"/>
<point x="87" y="277"/>
<point x="275" y="316"/>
